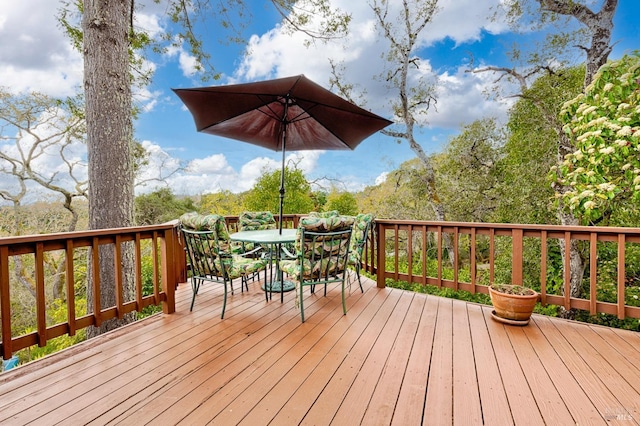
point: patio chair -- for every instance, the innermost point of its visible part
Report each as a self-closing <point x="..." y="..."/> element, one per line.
<point x="361" y="226"/>
<point x="322" y="252"/>
<point x="210" y="255"/>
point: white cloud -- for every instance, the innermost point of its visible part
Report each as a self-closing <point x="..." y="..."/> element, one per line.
<point x="35" y="55"/>
<point x="186" y="61"/>
<point x="382" y="178"/>
<point x="460" y="96"/>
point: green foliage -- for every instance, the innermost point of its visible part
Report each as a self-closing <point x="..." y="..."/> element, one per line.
<point x="147" y="287"/>
<point x="441" y="291"/>
<point x="57" y="314"/>
<point x="401" y="196"/>
<point x="265" y="195"/>
<point x="466" y="172"/>
<point x="531" y="149"/>
<point x="223" y="203"/>
<point x="604" y="172"/>
<point x="160" y="206"/>
<point x="342" y="201"/>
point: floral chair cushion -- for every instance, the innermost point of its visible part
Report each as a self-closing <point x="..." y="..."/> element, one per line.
<point x="361" y="225"/>
<point x="211" y="222"/>
<point x="329" y="213"/>
<point x="254" y="221"/>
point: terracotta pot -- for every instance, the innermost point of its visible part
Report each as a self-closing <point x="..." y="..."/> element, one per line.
<point x="513" y="306"/>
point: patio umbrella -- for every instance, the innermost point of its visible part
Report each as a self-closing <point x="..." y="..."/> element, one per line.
<point x="285" y="114"/>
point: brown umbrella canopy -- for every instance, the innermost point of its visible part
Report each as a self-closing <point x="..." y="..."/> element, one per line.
<point x="285" y="114"/>
<point x="259" y="112"/>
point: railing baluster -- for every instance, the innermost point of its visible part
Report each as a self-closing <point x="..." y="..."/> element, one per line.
<point x="621" y="276"/>
<point x="138" y="270"/>
<point x="396" y="230"/>
<point x="95" y="262"/>
<point x="71" y="288"/>
<point x="516" y="256"/>
<point x="567" y="270"/>
<point x="117" y="265"/>
<point x="492" y="255"/>
<point x="456" y="256"/>
<point x="543" y="268"/>
<point x="156" y="267"/>
<point x="425" y="264"/>
<point x="593" y="273"/>
<point x="410" y="252"/>
<point x="472" y="265"/>
<point x="439" y="256"/>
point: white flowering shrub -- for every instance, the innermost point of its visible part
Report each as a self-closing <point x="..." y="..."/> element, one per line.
<point x="604" y="123"/>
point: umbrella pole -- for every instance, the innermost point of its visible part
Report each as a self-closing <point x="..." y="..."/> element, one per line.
<point x="284" y="141"/>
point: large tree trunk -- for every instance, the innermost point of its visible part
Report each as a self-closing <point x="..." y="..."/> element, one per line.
<point x="106" y="25"/>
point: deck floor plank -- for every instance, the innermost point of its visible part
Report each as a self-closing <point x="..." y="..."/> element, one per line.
<point x="438" y="407"/>
<point x="493" y="399"/>
<point x="395" y="358"/>
<point x="466" y="396"/>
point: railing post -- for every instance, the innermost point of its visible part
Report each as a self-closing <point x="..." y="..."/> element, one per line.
<point x="380" y="233"/>
<point x="168" y="254"/>
<point x="5" y="303"/>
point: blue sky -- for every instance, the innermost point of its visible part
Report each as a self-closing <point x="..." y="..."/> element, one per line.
<point x="34" y="55"/>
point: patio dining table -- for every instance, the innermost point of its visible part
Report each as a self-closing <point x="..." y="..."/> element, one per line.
<point x="273" y="238"/>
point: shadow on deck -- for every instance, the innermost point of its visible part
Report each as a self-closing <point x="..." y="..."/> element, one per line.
<point x="396" y="357"/>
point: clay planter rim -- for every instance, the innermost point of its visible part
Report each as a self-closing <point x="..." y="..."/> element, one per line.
<point x="514" y="307"/>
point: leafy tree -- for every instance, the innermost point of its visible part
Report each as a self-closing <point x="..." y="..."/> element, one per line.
<point x="342" y="201"/>
<point x="222" y="203"/>
<point x="467" y="172"/>
<point x="531" y="149"/>
<point x="603" y="174"/>
<point x="161" y="206"/>
<point x="319" y="200"/>
<point x="400" y="196"/>
<point x="265" y="195"/>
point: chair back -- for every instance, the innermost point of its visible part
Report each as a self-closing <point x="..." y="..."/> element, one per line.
<point x="255" y="221"/>
<point x="206" y="239"/>
<point x="203" y="253"/>
<point x="323" y="246"/>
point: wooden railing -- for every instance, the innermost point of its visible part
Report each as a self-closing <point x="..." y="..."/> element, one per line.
<point x="460" y="256"/>
<point x="159" y="245"/>
<point x="485" y="253"/>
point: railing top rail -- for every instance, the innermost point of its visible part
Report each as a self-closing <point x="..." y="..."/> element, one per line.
<point x="531" y="227"/>
<point x="5" y="241"/>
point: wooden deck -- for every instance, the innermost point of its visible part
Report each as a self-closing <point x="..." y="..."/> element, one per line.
<point x="395" y="358"/>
